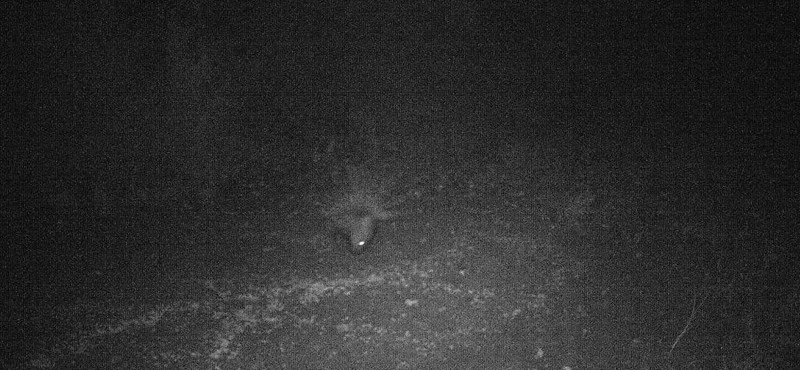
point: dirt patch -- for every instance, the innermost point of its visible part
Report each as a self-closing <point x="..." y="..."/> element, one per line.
<point x="475" y="297"/>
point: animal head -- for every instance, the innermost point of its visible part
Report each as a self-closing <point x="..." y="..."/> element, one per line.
<point x="361" y="233"/>
<point x="361" y="205"/>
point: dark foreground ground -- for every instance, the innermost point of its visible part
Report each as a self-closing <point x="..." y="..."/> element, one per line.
<point x="518" y="261"/>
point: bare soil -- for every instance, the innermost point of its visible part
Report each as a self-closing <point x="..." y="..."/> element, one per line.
<point x="517" y="270"/>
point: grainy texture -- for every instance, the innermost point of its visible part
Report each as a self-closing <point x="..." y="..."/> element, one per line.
<point x="363" y="205"/>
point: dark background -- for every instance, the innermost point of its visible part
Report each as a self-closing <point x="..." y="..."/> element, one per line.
<point x="128" y="128"/>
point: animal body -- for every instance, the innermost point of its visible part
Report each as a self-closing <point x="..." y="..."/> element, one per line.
<point x="359" y="212"/>
<point x="357" y="217"/>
